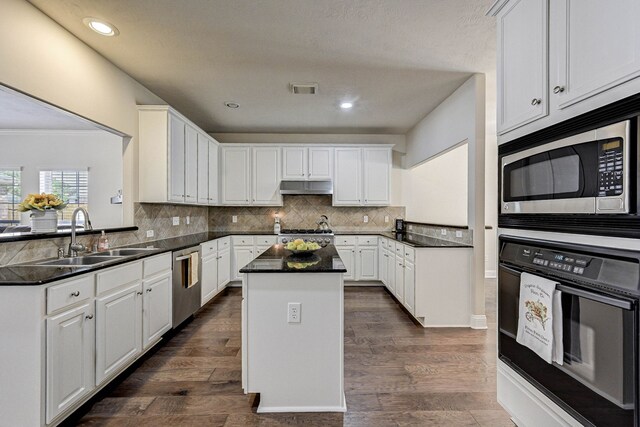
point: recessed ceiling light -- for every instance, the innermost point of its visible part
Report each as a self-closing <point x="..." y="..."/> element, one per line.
<point x="346" y="105"/>
<point x="101" y="27"/>
<point x="232" y="104"/>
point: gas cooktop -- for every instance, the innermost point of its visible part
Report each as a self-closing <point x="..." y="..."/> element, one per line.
<point x="304" y="231"/>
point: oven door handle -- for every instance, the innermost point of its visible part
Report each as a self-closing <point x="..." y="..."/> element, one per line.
<point x="604" y="299"/>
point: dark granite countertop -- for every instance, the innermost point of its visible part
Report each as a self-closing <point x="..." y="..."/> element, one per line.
<point x="414" y="240"/>
<point x="277" y="259"/>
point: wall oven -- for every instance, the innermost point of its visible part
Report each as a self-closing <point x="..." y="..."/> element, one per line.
<point x="587" y="173"/>
<point x="598" y="381"/>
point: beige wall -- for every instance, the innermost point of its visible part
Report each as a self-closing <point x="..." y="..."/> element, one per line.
<point x="41" y="58"/>
<point x="435" y="192"/>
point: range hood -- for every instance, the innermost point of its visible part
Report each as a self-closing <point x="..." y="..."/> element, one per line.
<point x="306" y="187"/>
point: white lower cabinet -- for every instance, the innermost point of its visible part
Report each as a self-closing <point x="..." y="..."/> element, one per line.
<point x="248" y="248"/>
<point x="399" y="278"/>
<point x="157" y="315"/>
<point x="209" y="285"/>
<point x="391" y="271"/>
<point x="70" y="355"/>
<point x="348" y="256"/>
<point x="409" y="286"/>
<point x="118" y="329"/>
<point x="382" y="265"/>
<point x="216" y="267"/>
<point x="242" y="256"/>
<point x="367" y="264"/>
<point x="224" y="268"/>
<point x="360" y="257"/>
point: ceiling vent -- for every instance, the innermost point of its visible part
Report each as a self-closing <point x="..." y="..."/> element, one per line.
<point x="304" y="88"/>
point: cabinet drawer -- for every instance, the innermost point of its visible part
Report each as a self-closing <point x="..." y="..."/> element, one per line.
<point x="242" y="240"/>
<point x="224" y="243"/>
<point x="266" y="240"/>
<point x="399" y="249"/>
<point x="69" y="293"/>
<point x="119" y="276"/>
<point x="367" y="240"/>
<point x="208" y="248"/>
<point x="409" y="253"/>
<point x="384" y="243"/>
<point x="345" y="240"/>
<point x="391" y="245"/>
<point x="157" y="264"/>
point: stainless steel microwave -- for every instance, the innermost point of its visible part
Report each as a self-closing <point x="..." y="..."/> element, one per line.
<point x="587" y="173"/>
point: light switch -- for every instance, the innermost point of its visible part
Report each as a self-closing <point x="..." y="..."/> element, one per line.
<point x="150" y="233"/>
<point x="176" y="220"/>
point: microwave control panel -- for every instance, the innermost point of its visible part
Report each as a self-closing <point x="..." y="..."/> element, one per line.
<point x="610" y="167"/>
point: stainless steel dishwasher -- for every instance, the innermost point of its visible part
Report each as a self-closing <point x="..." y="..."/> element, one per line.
<point x="186" y="298"/>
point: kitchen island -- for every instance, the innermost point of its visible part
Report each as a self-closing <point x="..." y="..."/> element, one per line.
<point x="292" y="331"/>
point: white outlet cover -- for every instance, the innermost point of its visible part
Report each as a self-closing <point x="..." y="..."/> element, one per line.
<point x="443" y="231"/>
<point x="234" y="218"/>
<point x="458" y="233"/>
<point x="386" y="218"/>
<point x="366" y="218"/>
<point x="293" y="312"/>
<point x="188" y="219"/>
<point x="150" y="233"/>
<point x="176" y="220"/>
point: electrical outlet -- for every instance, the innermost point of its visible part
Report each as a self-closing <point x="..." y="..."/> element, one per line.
<point x="386" y="218"/>
<point x="366" y="218"/>
<point x="234" y="218"/>
<point x="187" y="219"/>
<point x="443" y="231"/>
<point x="176" y="220"/>
<point x="150" y="233"/>
<point x="458" y="233"/>
<point x="293" y="312"/>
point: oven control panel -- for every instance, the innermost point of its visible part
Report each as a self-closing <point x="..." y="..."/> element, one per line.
<point x="610" y="167"/>
<point x="565" y="262"/>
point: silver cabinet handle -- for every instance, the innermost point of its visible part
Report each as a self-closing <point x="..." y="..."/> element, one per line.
<point x="138" y="293"/>
<point x="150" y="289"/>
<point x="536" y="101"/>
<point x="89" y="316"/>
<point x="558" y="89"/>
<point x="75" y="294"/>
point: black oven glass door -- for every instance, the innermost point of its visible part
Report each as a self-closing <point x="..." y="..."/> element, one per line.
<point x="563" y="173"/>
<point x="598" y="379"/>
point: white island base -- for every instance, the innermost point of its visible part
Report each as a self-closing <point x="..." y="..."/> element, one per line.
<point x="296" y="367"/>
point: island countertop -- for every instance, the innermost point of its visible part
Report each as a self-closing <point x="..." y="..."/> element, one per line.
<point x="277" y="259"/>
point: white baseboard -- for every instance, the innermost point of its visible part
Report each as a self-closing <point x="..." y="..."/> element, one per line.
<point x="478" y="321"/>
<point x="490" y="274"/>
<point x="363" y="283"/>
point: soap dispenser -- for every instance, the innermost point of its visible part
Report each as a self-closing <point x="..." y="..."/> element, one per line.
<point x="276" y="226"/>
<point x="103" y="242"/>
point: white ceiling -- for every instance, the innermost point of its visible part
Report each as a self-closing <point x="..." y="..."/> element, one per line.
<point x="397" y="59"/>
<point x="21" y="112"/>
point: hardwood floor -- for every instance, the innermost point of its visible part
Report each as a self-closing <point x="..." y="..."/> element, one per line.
<point x="396" y="373"/>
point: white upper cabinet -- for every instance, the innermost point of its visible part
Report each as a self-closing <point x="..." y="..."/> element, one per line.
<point x="362" y="176"/>
<point x="190" y="165"/>
<point x="294" y="163"/>
<point x="236" y="175"/>
<point x="266" y="176"/>
<point x="377" y="176"/>
<point x="307" y="163"/>
<point x="522" y="63"/>
<point x="203" y="169"/>
<point x="596" y="46"/>
<point x="213" y="172"/>
<point x="347" y="185"/>
<point x="176" y="159"/>
<point x="320" y="163"/>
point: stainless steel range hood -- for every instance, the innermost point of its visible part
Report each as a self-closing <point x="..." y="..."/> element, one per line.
<point x="306" y="187"/>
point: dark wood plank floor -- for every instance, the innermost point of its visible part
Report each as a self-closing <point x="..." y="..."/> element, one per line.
<point x="396" y="373"/>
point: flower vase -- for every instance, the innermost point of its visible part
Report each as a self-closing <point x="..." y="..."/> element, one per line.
<point x="44" y="221"/>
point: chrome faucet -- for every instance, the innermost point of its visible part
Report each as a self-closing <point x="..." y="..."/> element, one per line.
<point x="74" y="246"/>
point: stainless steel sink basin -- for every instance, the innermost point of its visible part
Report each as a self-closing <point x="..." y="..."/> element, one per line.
<point x="78" y="261"/>
<point x="123" y="252"/>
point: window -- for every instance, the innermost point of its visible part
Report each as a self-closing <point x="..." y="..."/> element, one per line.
<point x="10" y="196"/>
<point x="71" y="185"/>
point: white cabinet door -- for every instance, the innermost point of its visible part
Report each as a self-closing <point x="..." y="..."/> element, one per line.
<point x="294" y="161"/>
<point x="522" y="28"/>
<point x="176" y="160"/>
<point x="213" y="173"/>
<point x="156" y="307"/>
<point x="242" y="256"/>
<point x="70" y="358"/>
<point x="377" y="176"/>
<point x="224" y="268"/>
<point x="391" y="271"/>
<point x="367" y="264"/>
<point x="209" y="284"/>
<point x="236" y="175"/>
<point x="399" y="279"/>
<point x="190" y="165"/>
<point x="118" y="330"/>
<point x="595" y="46"/>
<point x="347" y="185"/>
<point x="203" y="169"/>
<point x="260" y="249"/>
<point x="409" y="286"/>
<point x="382" y="262"/>
<point x="348" y="256"/>
<point x="266" y="176"/>
<point x="320" y="163"/>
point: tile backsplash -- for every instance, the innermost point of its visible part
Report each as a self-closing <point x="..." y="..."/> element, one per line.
<point x="303" y="212"/>
<point x="435" y="231"/>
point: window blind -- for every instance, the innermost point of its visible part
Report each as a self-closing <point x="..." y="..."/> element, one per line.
<point x="71" y="185"/>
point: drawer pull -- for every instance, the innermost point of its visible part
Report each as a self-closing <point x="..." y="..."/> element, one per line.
<point x="75" y="294"/>
<point x="150" y="289"/>
<point x="89" y="316"/>
<point x="138" y="293"/>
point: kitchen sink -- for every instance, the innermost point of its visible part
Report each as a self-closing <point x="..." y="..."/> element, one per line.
<point x="122" y="252"/>
<point x="78" y="261"/>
